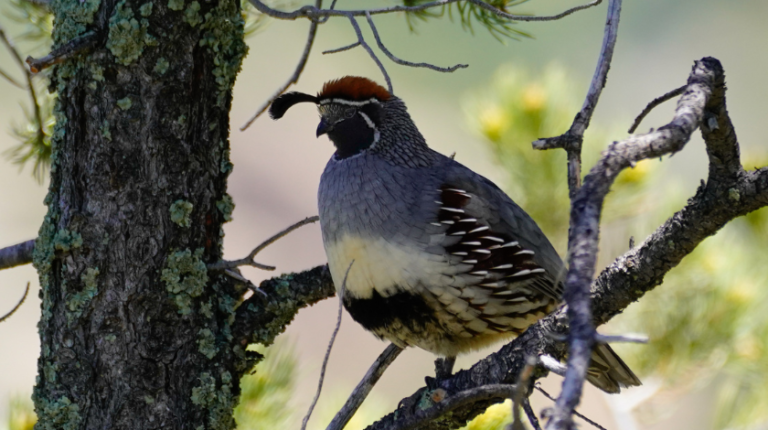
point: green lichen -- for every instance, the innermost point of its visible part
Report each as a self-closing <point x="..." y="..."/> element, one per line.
<point x="110" y="338"/>
<point x="181" y="120"/>
<point x="61" y="414"/>
<point x="185" y="276"/>
<point x="149" y="400"/>
<point x="191" y="15"/>
<point x="224" y="38"/>
<point x="66" y="240"/>
<point x="161" y="66"/>
<point x="126" y="36"/>
<point x="180" y="212"/>
<point x="97" y="72"/>
<point x="106" y="133"/>
<point x="207" y="309"/>
<point x="49" y="372"/>
<point x="204" y="394"/>
<point x="146" y="9"/>
<point x="226" y="206"/>
<point x="175" y="4"/>
<point x="206" y="343"/>
<point x="76" y="302"/>
<point x="72" y="18"/>
<point x="226" y="165"/>
<point x="125" y="103"/>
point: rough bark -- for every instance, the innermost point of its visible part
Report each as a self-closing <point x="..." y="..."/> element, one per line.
<point x="135" y="332"/>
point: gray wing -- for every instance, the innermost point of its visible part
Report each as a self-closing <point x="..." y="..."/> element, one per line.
<point x="496" y="235"/>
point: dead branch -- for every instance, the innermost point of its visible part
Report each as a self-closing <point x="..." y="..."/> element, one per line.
<point x="652" y="105"/>
<point x="16" y="255"/>
<point x="18" y="305"/>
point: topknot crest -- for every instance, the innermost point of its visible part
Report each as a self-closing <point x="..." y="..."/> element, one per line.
<point x="355" y="88"/>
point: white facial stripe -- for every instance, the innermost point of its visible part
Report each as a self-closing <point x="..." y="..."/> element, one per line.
<point x="367" y="120"/>
<point x="349" y="102"/>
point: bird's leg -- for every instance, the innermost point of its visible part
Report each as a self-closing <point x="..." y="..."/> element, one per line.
<point x="444" y="367"/>
<point x="443" y="370"/>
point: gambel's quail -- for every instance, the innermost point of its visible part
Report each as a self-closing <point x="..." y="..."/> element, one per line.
<point x="443" y="259"/>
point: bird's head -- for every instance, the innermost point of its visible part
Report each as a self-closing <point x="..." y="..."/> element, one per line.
<point x="352" y="109"/>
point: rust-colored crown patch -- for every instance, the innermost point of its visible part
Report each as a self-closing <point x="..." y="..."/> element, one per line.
<point x="354" y="88"/>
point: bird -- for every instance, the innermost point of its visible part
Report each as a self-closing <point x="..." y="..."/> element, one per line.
<point x="431" y="254"/>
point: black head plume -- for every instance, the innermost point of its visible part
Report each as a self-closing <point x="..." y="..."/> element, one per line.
<point x="284" y="102"/>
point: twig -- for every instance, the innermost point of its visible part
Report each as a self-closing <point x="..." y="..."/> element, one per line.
<point x="30" y="86"/>
<point x="403" y="62"/>
<point x="16" y="255"/>
<point x="531" y="415"/>
<point x="330" y="346"/>
<point x="296" y="73"/>
<point x="552" y="364"/>
<point x="18" y="305"/>
<point x="368" y="49"/>
<point x="342" y="49"/>
<point x="522" y="391"/>
<point x="365" y="386"/>
<point x="628" y="338"/>
<point x="315" y="13"/>
<point x="547" y="395"/>
<point x="248" y="261"/>
<point x="657" y="101"/>
<point x="13" y="81"/>
<point x="63" y="52"/>
<point x="572" y="140"/>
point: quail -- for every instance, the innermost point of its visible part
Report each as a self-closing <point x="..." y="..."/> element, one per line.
<point x="443" y="259"/>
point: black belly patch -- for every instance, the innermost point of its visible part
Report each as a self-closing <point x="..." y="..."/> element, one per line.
<point x="379" y="312"/>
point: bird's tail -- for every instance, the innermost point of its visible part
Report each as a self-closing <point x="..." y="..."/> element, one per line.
<point x="608" y="372"/>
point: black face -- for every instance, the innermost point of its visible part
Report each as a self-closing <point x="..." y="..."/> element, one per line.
<point x="351" y="127"/>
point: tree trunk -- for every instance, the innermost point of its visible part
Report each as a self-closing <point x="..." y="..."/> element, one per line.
<point x="135" y="332"/>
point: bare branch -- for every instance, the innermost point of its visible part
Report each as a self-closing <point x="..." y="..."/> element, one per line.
<point x="18" y="305"/>
<point x="63" y="52"/>
<point x="13" y="81"/>
<point x="572" y="140"/>
<point x="315" y="13"/>
<point x="330" y="347"/>
<point x="360" y="393"/>
<point x="652" y="105"/>
<point x="248" y="261"/>
<point x="296" y="73"/>
<point x="16" y="255"/>
<point x="368" y="49"/>
<point x="403" y="62"/>
<point x="585" y="219"/>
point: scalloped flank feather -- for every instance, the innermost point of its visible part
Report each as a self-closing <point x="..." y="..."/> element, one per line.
<point x="355" y="88"/>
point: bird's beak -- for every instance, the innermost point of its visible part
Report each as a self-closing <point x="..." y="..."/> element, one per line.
<point x="323" y="127"/>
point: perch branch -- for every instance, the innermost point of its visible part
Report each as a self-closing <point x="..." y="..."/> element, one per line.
<point x="652" y="105"/>
<point x="521" y="392"/>
<point x="365" y="386"/>
<point x="248" y="261"/>
<point x="16" y="255"/>
<point x="630" y="276"/>
<point x="572" y="139"/>
<point x="531" y="415"/>
<point x="296" y="73"/>
<point x="547" y="395"/>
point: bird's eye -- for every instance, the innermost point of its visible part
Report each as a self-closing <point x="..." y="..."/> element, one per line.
<point x="349" y="113"/>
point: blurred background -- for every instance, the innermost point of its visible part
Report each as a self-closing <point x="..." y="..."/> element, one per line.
<point x="706" y="365"/>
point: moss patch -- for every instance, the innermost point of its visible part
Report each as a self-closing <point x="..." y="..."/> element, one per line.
<point x="185" y="276"/>
<point x="180" y="212"/>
